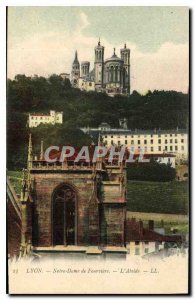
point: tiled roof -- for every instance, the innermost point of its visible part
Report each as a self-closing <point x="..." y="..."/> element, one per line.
<point x="38" y="115"/>
<point x="136" y="232"/>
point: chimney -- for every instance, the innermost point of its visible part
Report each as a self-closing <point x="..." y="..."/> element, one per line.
<point x="151" y="225"/>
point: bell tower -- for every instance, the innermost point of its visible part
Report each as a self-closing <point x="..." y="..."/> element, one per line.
<point x="75" y="74"/>
<point x="125" y="56"/>
<point x="99" y="67"/>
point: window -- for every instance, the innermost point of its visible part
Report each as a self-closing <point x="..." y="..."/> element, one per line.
<point x="111" y="136"/>
<point x="182" y="140"/>
<point x="146" y="243"/>
<point x="151" y="135"/>
<point x="111" y="142"/>
<point x="146" y="250"/>
<point x="119" y="142"/>
<point x="136" y="242"/>
<point x="171" y="134"/>
<point x="137" y="251"/>
<point x="171" y="141"/>
<point x="176" y="148"/>
<point x="159" y="148"/>
<point x="152" y="149"/>
<point x="159" y="141"/>
<point x="165" y="148"/>
<point x="132" y="142"/>
<point x="132" y="136"/>
<point x="138" y="142"/>
<point x="165" y="141"/>
<point x="105" y="136"/>
<point x="175" y="141"/>
<point x="126" y="136"/>
<point x="145" y="142"/>
<point x="182" y="148"/>
<point x="171" y="148"/>
<point x="151" y="141"/>
<point x="32" y="118"/>
<point x="125" y="142"/>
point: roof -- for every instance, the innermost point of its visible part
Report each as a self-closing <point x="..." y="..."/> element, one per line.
<point x="153" y="155"/>
<point x="136" y="232"/>
<point x="47" y="115"/>
<point x="114" y="57"/>
<point x="104" y="124"/>
<point x="117" y="131"/>
<point x="85" y="62"/>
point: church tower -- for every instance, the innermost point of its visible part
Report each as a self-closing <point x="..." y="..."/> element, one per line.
<point x="99" y="67"/>
<point x="75" y="74"/>
<point x="125" y="56"/>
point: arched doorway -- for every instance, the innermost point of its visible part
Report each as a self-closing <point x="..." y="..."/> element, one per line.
<point x="64" y="216"/>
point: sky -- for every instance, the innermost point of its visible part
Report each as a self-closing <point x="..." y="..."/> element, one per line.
<point x="43" y="40"/>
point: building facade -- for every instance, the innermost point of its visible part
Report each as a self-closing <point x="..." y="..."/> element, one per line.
<point x="159" y="142"/>
<point x="73" y="204"/>
<point x="111" y="75"/>
<point x="53" y="118"/>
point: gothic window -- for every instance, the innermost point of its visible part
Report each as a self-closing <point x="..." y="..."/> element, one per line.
<point x="64" y="210"/>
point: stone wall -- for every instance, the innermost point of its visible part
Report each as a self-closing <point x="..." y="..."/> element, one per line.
<point x="45" y="184"/>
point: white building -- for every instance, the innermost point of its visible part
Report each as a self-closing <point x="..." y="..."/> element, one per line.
<point x="53" y="118"/>
<point x="86" y="85"/>
<point x="151" y="142"/>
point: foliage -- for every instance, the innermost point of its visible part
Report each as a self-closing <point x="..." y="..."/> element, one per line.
<point x="164" y="109"/>
<point x="158" y="197"/>
<point x="150" y="172"/>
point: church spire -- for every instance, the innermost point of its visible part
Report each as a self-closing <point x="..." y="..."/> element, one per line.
<point x="42" y="151"/>
<point x="30" y="155"/>
<point x="30" y="147"/>
<point x="99" y="42"/>
<point x="76" y="61"/>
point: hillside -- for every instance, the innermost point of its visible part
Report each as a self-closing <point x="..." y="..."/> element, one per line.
<point x="158" y="109"/>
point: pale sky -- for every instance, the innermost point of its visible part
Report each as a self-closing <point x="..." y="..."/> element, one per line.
<point x="42" y="41"/>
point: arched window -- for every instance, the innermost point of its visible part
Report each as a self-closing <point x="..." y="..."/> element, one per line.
<point x="64" y="216"/>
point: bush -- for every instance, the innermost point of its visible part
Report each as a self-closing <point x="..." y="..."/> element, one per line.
<point x="150" y="172"/>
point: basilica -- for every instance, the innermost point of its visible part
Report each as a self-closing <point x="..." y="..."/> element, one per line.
<point x="111" y="75"/>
